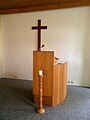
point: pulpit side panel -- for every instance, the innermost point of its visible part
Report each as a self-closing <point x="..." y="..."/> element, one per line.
<point x="62" y="76"/>
<point x="43" y="60"/>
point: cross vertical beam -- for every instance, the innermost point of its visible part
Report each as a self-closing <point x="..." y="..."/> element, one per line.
<point x="39" y="27"/>
<point x="39" y="34"/>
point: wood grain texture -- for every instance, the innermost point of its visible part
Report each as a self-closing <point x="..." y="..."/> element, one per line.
<point x="55" y="99"/>
<point x="43" y="61"/>
<point x="19" y="6"/>
<point x="62" y="76"/>
<point x="54" y="78"/>
<point x="46" y="100"/>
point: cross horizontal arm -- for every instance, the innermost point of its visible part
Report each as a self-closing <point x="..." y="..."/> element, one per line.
<point x="34" y="28"/>
<point x="43" y="27"/>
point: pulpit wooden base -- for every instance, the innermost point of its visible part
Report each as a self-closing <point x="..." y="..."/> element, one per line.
<point x="54" y="78"/>
<point x="46" y="100"/>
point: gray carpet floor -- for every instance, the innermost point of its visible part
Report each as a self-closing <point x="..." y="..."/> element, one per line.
<point x="16" y="103"/>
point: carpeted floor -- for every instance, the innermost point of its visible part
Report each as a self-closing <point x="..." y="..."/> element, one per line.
<point x="16" y="103"/>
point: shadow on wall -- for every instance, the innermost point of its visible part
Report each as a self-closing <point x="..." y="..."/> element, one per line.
<point x="86" y="55"/>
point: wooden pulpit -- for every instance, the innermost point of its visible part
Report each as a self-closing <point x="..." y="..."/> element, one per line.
<point x="54" y="78"/>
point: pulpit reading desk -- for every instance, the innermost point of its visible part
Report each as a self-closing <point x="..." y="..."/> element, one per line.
<point x="54" y="79"/>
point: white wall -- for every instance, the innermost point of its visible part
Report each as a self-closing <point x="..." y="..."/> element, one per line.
<point x="67" y="34"/>
<point x="86" y="54"/>
<point x="0" y="46"/>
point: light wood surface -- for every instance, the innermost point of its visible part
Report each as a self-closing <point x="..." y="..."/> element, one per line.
<point x="43" y="61"/>
<point x="40" y="109"/>
<point x="62" y="81"/>
<point x="54" y="78"/>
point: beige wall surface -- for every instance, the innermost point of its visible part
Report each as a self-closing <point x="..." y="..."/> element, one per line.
<point x="68" y="34"/>
<point x="86" y="54"/>
<point x="0" y="46"/>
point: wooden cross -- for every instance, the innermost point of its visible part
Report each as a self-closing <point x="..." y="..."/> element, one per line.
<point x="39" y="27"/>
